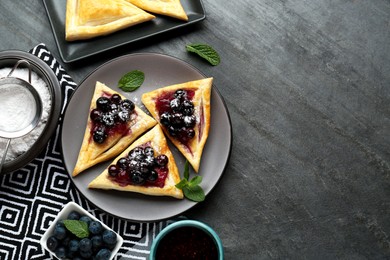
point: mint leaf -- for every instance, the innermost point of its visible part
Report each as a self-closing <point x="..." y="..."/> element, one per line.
<point x="194" y="193"/>
<point x="182" y="184"/>
<point x="186" y="173"/>
<point x="195" y="181"/>
<point x="131" y="80"/>
<point x="205" y="51"/>
<point x="191" y="189"/>
<point x="77" y="227"/>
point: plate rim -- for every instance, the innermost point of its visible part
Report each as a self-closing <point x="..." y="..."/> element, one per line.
<point x="68" y="59"/>
<point x="192" y="203"/>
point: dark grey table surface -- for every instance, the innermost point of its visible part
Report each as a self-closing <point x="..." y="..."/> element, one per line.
<point x="307" y="85"/>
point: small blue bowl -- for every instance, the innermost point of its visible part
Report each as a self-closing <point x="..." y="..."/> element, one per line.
<point x="187" y="223"/>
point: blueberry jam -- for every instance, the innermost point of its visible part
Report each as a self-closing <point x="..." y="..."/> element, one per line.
<point x="110" y="116"/>
<point x="140" y="167"/>
<point x="176" y="112"/>
<point x="187" y="243"/>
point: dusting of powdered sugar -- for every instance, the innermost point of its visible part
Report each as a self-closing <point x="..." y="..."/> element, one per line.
<point x="20" y="145"/>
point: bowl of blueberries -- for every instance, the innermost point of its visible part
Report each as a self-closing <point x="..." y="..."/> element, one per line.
<point x="76" y="234"/>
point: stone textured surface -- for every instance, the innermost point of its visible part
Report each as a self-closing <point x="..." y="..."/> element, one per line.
<point x="307" y="85"/>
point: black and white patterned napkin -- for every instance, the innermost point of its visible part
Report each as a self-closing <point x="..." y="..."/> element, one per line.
<point x="31" y="197"/>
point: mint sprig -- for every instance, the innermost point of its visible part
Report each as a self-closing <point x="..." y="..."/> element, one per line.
<point x="191" y="188"/>
<point x="77" y="227"/>
<point x="131" y="80"/>
<point x="205" y="51"/>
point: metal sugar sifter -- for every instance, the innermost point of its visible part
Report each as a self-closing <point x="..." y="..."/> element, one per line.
<point x="20" y="107"/>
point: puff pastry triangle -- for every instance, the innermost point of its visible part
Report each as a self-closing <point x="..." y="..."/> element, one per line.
<point x="159" y="101"/>
<point x="172" y="8"/>
<point x="162" y="187"/>
<point x="91" y="152"/>
<point x="87" y="19"/>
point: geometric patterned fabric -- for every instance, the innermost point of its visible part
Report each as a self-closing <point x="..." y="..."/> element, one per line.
<point x="31" y="197"/>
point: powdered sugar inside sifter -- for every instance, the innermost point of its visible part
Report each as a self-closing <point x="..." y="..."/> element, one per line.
<point x="20" y="107"/>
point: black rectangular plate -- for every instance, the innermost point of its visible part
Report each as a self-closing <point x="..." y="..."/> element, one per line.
<point x="73" y="51"/>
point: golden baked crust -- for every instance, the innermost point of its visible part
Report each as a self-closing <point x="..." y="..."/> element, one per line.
<point x="172" y="8"/>
<point x="92" y="153"/>
<point x="87" y="19"/>
<point x="155" y="138"/>
<point x="201" y="100"/>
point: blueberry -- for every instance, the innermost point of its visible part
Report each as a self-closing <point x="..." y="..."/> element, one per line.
<point x="165" y="118"/>
<point x="149" y="151"/>
<point x="103" y="104"/>
<point x="153" y="176"/>
<point x="97" y="241"/>
<point x="172" y="130"/>
<point x="103" y="254"/>
<point x="59" y="232"/>
<point x="86" y="219"/>
<point x="127" y="104"/>
<point x="95" y="227"/>
<point x="99" y="134"/>
<point x="137" y="178"/>
<point x="181" y="94"/>
<point x="136" y="152"/>
<point x="162" y="160"/>
<point x="65" y="241"/>
<point x="115" y="98"/>
<point x="175" y="104"/>
<point x="60" y="223"/>
<point x="85" y="244"/>
<point x="150" y="161"/>
<point x="177" y="119"/>
<point x="189" y="121"/>
<point x="108" y="119"/>
<point x="109" y="237"/>
<point x="96" y="115"/>
<point x="74" y="215"/>
<point x="122" y="163"/>
<point x="52" y="243"/>
<point x="74" y="245"/>
<point x="60" y="252"/>
<point x="113" y="170"/>
<point x="123" y="116"/>
<point x="86" y="254"/>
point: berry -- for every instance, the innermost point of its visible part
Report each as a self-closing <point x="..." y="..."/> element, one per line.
<point x="96" y="115"/>
<point x="153" y="176"/>
<point x="103" y="254"/>
<point x="86" y="219"/>
<point x="109" y="237"/>
<point x="189" y="121"/>
<point x="97" y="242"/>
<point x="180" y="94"/>
<point x="113" y="170"/>
<point x="148" y="151"/>
<point x="122" y="163"/>
<point x="60" y="252"/>
<point x="162" y="160"/>
<point x="95" y="227"/>
<point x="137" y="178"/>
<point x="103" y="104"/>
<point x="74" y="245"/>
<point x="99" y="135"/>
<point x="86" y="254"/>
<point x="127" y="104"/>
<point x="59" y="232"/>
<point x="175" y="104"/>
<point x="85" y="244"/>
<point x="165" y="118"/>
<point x="74" y="215"/>
<point x="115" y="98"/>
<point x="52" y="243"/>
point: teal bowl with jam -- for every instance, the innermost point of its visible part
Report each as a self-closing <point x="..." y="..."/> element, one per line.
<point x="187" y="239"/>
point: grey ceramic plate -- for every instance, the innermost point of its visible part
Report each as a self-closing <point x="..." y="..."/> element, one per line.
<point x="160" y="70"/>
<point x="73" y="51"/>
